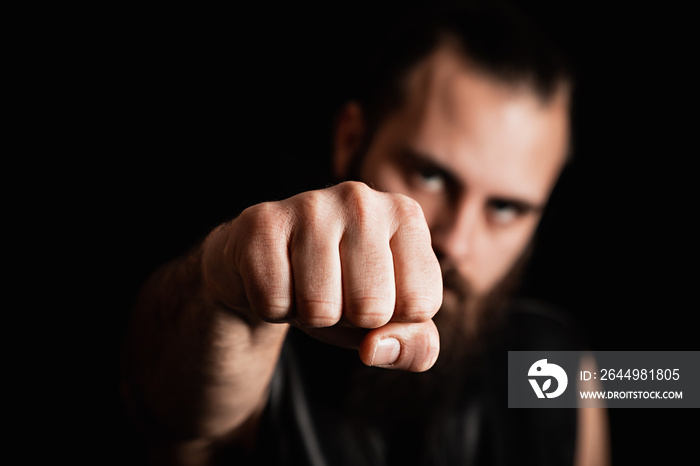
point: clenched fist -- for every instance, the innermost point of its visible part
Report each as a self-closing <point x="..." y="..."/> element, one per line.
<point x="349" y="265"/>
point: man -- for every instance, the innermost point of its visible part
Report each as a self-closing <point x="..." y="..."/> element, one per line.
<point x="455" y="148"/>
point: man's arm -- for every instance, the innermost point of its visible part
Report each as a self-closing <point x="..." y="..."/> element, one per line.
<point x="346" y="264"/>
<point x="195" y="373"/>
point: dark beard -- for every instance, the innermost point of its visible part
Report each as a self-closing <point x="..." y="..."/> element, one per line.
<point x="469" y="324"/>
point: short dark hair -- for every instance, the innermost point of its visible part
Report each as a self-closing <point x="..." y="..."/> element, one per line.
<point x="496" y="38"/>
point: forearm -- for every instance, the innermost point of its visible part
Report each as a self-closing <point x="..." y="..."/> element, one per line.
<point x="195" y="372"/>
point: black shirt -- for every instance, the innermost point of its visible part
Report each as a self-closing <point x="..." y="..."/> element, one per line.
<point x="327" y="408"/>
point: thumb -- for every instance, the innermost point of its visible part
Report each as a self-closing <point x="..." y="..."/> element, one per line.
<point x="407" y="346"/>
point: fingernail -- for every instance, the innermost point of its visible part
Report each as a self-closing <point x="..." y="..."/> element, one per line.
<point x="386" y="352"/>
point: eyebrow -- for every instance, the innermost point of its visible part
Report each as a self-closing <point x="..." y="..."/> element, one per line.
<point x="423" y="160"/>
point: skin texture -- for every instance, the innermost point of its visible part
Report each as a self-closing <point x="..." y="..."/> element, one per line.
<point x="461" y="173"/>
<point x="333" y="262"/>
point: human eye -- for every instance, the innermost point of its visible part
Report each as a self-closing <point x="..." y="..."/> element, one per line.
<point x="503" y="212"/>
<point x="429" y="178"/>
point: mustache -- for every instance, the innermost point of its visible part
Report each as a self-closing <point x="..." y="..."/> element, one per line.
<point x="454" y="281"/>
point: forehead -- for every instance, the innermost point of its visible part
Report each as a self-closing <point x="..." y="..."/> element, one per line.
<point x="494" y="134"/>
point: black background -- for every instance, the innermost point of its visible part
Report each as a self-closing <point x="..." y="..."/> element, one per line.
<point x="181" y="118"/>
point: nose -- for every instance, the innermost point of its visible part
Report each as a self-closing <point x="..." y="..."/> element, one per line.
<point x="453" y="231"/>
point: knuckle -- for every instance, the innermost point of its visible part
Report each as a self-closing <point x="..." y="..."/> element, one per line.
<point x="408" y="219"/>
<point x="406" y="207"/>
<point x="259" y="212"/>
<point x="354" y="187"/>
<point x="317" y="312"/>
<point x="417" y="307"/>
<point x="313" y="211"/>
<point x="262" y="220"/>
<point x="313" y="216"/>
<point x="368" y="312"/>
<point x="360" y="202"/>
<point x="269" y="305"/>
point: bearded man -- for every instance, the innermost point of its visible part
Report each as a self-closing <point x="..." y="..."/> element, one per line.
<point x="246" y="348"/>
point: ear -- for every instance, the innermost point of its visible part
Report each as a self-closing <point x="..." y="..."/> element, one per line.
<point x="349" y="131"/>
